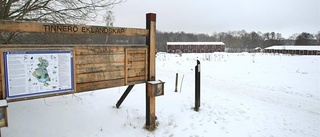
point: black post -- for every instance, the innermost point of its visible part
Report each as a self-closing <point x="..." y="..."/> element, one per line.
<point x="176" y="87"/>
<point x="197" y="86"/>
<point x="124" y="95"/>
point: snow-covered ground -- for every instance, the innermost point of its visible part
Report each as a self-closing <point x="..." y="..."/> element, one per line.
<point x="242" y="95"/>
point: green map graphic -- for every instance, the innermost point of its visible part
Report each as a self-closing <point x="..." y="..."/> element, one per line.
<point x="41" y="72"/>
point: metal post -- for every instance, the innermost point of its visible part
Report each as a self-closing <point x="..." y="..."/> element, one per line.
<point x="124" y="95"/>
<point x="197" y="86"/>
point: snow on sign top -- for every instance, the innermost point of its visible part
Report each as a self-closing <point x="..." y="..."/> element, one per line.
<point x="155" y="82"/>
<point x="3" y="103"/>
<point x="292" y="47"/>
<point x="195" y="43"/>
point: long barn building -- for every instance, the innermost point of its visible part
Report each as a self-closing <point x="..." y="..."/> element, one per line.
<point x="195" y="47"/>
<point x="294" y="49"/>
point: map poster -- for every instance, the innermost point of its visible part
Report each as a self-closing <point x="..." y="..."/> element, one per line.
<point x="32" y="73"/>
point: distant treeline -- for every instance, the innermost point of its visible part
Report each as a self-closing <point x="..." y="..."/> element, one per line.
<point x="236" y="41"/>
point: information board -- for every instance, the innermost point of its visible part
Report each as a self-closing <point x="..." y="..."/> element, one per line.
<point x="32" y="73"/>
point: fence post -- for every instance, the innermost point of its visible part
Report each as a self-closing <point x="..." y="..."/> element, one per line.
<point x="197" y="86"/>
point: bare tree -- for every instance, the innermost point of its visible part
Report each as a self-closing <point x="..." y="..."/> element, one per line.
<point x="266" y="36"/>
<point x="109" y="19"/>
<point x="305" y="39"/>
<point x="294" y="36"/>
<point x="279" y="36"/>
<point x="317" y="35"/>
<point x="273" y="35"/>
<point x="52" y="11"/>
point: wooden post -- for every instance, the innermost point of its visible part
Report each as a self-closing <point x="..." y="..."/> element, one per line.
<point x="151" y="42"/>
<point x="181" y="82"/>
<point x="176" y="88"/>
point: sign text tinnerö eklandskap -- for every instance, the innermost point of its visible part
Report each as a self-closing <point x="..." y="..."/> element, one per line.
<point x="83" y="29"/>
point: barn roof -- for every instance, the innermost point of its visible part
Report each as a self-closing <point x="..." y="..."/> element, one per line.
<point x="294" y="47"/>
<point x="195" y="43"/>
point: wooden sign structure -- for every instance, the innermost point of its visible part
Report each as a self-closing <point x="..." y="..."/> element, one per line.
<point x="88" y="67"/>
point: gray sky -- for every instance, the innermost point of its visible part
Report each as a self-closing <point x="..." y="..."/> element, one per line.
<point x="207" y="16"/>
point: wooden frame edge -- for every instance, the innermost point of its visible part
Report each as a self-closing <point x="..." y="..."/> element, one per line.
<point x="74" y="70"/>
<point x="2" y="75"/>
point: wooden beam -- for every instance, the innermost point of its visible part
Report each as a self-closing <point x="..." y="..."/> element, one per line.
<point x="151" y="42"/>
<point x="136" y="57"/>
<point x="137" y="64"/>
<point x="101" y="76"/>
<point x="74" y="73"/>
<point x="99" y="67"/>
<point x="103" y="47"/>
<point x="94" y="59"/>
<point x="3" y="94"/>
<point x="81" y="87"/>
<point x="138" y="78"/>
<point x="136" y="82"/>
<point x="94" y="50"/>
<point x="12" y="26"/>
<point x="136" y="72"/>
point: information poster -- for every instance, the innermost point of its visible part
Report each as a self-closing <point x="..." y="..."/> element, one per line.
<point x="32" y="73"/>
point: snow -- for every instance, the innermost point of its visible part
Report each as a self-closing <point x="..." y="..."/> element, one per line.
<point x="3" y="103"/>
<point x="280" y="47"/>
<point x="242" y="95"/>
<point x="154" y="82"/>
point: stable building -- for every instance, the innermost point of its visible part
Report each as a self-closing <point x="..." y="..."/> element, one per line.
<point x="293" y="49"/>
<point x="195" y="47"/>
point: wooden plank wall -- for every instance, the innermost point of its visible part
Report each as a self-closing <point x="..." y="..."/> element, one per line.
<point x="99" y="67"/>
<point x="136" y="65"/>
<point x="14" y="26"/>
